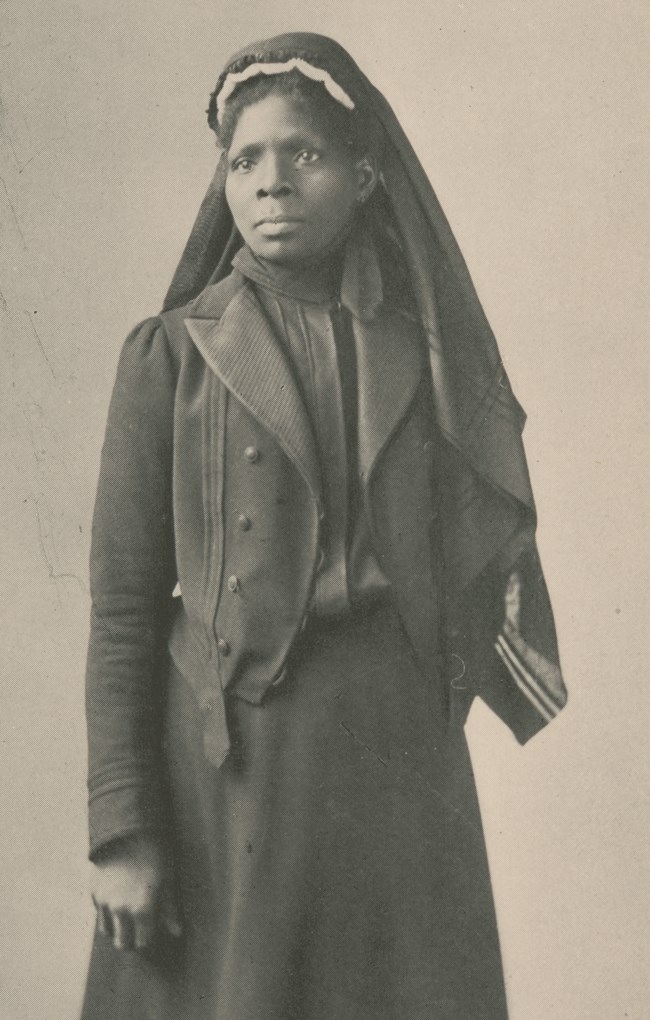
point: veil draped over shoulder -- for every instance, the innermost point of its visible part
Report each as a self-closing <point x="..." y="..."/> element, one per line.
<point x="488" y="501"/>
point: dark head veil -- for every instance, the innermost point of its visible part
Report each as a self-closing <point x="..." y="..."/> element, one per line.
<point x="488" y="506"/>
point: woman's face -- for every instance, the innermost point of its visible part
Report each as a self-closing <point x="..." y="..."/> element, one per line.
<point x="292" y="191"/>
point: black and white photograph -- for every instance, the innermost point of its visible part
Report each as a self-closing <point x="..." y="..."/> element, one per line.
<point x="324" y="511"/>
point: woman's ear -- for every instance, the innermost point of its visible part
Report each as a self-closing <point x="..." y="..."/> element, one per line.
<point x="368" y="175"/>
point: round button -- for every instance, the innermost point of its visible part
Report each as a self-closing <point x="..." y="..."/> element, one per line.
<point x="233" y="583"/>
<point x="223" y="646"/>
<point x="244" y="522"/>
<point x="252" y="454"/>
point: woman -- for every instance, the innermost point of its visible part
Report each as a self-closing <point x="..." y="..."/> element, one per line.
<point x="313" y="545"/>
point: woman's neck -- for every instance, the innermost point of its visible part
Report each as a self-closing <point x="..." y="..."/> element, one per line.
<point x="319" y="280"/>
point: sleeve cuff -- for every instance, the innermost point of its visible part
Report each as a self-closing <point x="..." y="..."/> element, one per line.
<point x="120" y="810"/>
<point x="517" y="713"/>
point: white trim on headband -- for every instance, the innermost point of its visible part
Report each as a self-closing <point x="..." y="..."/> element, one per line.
<point x="296" y="63"/>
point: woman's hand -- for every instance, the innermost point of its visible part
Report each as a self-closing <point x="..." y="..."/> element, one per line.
<point x="132" y="892"/>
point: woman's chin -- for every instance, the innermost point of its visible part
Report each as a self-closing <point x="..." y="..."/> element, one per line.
<point x="290" y="249"/>
<point x="282" y="248"/>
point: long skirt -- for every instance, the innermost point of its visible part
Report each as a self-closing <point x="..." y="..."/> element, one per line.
<point x="334" y="868"/>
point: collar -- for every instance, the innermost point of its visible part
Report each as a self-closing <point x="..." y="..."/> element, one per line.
<point x="355" y="282"/>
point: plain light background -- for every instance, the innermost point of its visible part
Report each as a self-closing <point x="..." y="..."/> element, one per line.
<point x="531" y="119"/>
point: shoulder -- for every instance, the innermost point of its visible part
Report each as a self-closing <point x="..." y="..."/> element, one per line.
<point x="145" y="352"/>
<point x="156" y="349"/>
<point x="143" y="392"/>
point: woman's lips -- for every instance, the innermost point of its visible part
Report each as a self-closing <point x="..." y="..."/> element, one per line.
<point x="278" y="218"/>
<point x="276" y="226"/>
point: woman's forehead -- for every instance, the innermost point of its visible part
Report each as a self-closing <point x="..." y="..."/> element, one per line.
<point x="276" y="118"/>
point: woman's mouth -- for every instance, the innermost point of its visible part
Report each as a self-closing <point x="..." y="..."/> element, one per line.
<point x="276" y="226"/>
<point x="278" y="218"/>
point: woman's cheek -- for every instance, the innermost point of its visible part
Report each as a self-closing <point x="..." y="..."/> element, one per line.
<point x="236" y="200"/>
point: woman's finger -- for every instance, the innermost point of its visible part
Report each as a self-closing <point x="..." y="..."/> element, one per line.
<point x="104" y="922"/>
<point x="143" y="929"/>
<point x="122" y="930"/>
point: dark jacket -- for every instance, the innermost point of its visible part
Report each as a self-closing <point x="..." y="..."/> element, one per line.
<point x="209" y="485"/>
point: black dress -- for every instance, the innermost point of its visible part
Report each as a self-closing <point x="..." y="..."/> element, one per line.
<point x="334" y="868"/>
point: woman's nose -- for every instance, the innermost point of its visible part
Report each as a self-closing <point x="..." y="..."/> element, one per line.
<point x="274" y="178"/>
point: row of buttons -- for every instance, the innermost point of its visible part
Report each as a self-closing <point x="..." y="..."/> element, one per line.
<point x="252" y="455"/>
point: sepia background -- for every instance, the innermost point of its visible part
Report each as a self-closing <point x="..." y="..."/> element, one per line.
<point x="531" y="119"/>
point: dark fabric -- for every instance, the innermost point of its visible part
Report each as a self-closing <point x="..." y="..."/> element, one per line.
<point x="173" y="484"/>
<point x="486" y="513"/>
<point x="333" y="865"/>
<point x="475" y="408"/>
<point x="132" y="573"/>
<point x="346" y="356"/>
<point x="183" y="417"/>
<point x="313" y="323"/>
<point x="334" y="868"/>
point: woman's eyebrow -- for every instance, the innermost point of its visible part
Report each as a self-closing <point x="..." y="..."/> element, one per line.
<point x="250" y="150"/>
<point x="296" y="140"/>
<point x="304" y="139"/>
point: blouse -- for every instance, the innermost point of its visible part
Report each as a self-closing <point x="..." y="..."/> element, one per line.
<point x="312" y="312"/>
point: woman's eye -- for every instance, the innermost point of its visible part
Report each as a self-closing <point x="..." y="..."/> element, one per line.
<point x="241" y="165"/>
<point x="307" y="156"/>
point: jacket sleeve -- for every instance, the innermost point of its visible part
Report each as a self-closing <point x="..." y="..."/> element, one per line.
<point x="132" y="574"/>
<point x="504" y="636"/>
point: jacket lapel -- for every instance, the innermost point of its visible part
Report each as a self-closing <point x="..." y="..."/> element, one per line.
<point x="390" y="369"/>
<point x="242" y="350"/>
